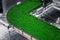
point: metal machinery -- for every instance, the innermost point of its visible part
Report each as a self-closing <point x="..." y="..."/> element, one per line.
<point x="49" y="12"/>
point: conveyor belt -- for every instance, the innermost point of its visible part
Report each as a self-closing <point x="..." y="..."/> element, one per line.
<point x="19" y="15"/>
